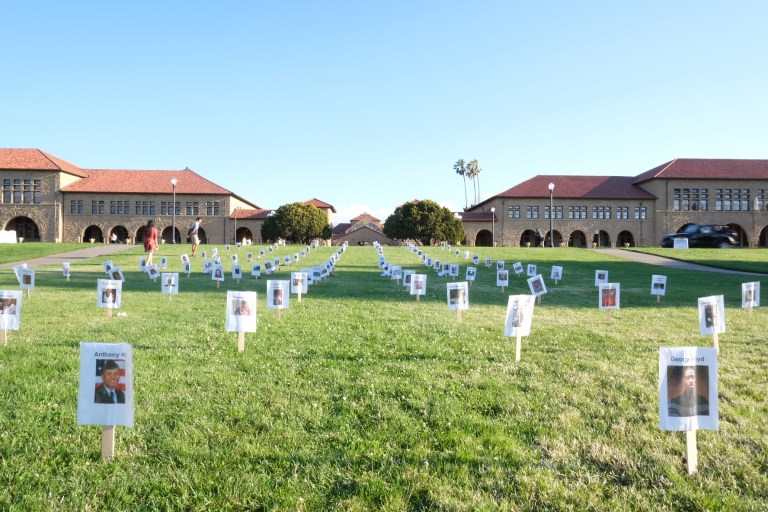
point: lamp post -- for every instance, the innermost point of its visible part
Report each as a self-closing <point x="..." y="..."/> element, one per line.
<point x="551" y="214"/>
<point x="493" y="226"/>
<point x="174" y="181"/>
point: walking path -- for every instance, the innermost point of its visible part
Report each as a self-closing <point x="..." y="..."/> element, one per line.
<point x="80" y="254"/>
<point x="652" y="259"/>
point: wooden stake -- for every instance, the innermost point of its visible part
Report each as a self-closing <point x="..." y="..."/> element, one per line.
<point x="538" y="299"/>
<point x="299" y="294"/>
<point x="241" y="341"/>
<point x="109" y="312"/>
<point x="691" y="452"/>
<point x="717" y="342"/>
<point x="5" y="337"/>
<point x="28" y="293"/>
<point x="518" y="347"/>
<point x="108" y="442"/>
<point x="458" y="315"/>
<point x="609" y="313"/>
<point x="418" y="297"/>
<point x="658" y="298"/>
<point x="218" y="283"/>
<point x="502" y="289"/>
<point x="278" y="313"/>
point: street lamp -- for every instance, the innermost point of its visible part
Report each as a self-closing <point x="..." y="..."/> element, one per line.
<point x="551" y="214"/>
<point x="174" y="181"/>
<point x="493" y="226"/>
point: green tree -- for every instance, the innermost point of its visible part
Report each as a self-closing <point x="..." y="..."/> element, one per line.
<point x="473" y="171"/>
<point x="424" y="221"/>
<point x="461" y="170"/>
<point x="297" y="222"/>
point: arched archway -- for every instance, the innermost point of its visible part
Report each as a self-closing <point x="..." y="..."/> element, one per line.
<point x="763" y="240"/>
<point x="528" y="238"/>
<point x="484" y="238"/>
<point x="93" y="232"/>
<point x="25" y="228"/>
<point x="558" y="239"/>
<point x="601" y="238"/>
<point x="202" y="236"/>
<point x="168" y="237"/>
<point x="741" y="235"/>
<point x="624" y="238"/>
<point x="577" y="239"/>
<point x="243" y="233"/>
<point x="139" y="235"/>
<point x="121" y="232"/>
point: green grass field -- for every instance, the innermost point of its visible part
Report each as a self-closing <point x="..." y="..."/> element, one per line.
<point x="360" y="398"/>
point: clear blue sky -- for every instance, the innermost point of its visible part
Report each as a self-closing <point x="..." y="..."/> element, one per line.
<point x="366" y="105"/>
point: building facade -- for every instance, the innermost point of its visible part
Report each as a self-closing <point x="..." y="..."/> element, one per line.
<point x="44" y="198"/>
<point x="616" y="211"/>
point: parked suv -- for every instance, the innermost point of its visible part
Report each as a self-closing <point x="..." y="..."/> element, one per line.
<point x="703" y="235"/>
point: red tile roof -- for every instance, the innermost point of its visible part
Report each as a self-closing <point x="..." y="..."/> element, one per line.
<point x="245" y="213"/>
<point x="578" y="187"/>
<point x="320" y="204"/>
<point x="707" y="169"/>
<point x="36" y="160"/>
<point x="364" y="216"/>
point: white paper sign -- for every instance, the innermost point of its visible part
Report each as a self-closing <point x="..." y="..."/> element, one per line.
<point x="519" y="315"/>
<point x="109" y="293"/>
<point x="680" y="243"/>
<point x="418" y="284"/>
<point x="170" y="282"/>
<point x="117" y="274"/>
<point x="502" y="278"/>
<point x="10" y="310"/>
<point x="601" y="277"/>
<point x="711" y="315"/>
<point x="471" y="273"/>
<point x="536" y="285"/>
<point x="27" y="279"/>
<point x="518" y="268"/>
<point x="237" y="272"/>
<point x="217" y="273"/>
<point x="531" y="270"/>
<point x="105" y="394"/>
<point x="610" y="296"/>
<point x="458" y="296"/>
<point x="299" y="282"/>
<point x="500" y="265"/>
<point x="557" y="273"/>
<point x="750" y="295"/>
<point x="658" y="285"/>
<point x="241" y="311"/>
<point x="278" y="294"/>
<point x="688" y="388"/>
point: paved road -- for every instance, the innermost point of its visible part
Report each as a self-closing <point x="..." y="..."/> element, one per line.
<point x="80" y="254"/>
<point x="652" y="259"/>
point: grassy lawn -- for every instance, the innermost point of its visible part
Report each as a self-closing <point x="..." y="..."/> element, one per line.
<point x="20" y="252"/>
<point x="360" y="398"/>
<point x="747" y="260"/>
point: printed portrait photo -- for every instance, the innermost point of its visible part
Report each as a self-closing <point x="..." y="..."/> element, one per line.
<point x="457" y="296"/>
<point x="519" y="315"/>
<point x="687" y="390"/>
<point x="108" y="386"/>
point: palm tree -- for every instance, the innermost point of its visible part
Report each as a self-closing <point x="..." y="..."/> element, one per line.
<point x="473" y="171"/>
<point x="461" y="169"/>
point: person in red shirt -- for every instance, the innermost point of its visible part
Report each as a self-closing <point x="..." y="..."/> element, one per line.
<point x="150" y="241"/>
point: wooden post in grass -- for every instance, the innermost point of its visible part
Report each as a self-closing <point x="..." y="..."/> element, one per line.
<point x="241" y="341"/>
<point x="458" y="315"/>
<point x="691" y="452"/>
<point x="538" y="299"/>
<point x="28" y="293"/>
<point x="277" y="313"/>
<point x="717" y="342"/>
<point x="4" y="337"/>
<point x="108" y="442"/>
<point x="518" y="345"/>
<point x="608" y="313"/>
<point x="418" y="297"/>
<point x="109" y="312"/>
<point x="218" y="283"/>
<point x="658" y="298"/>
<point x="299" y="293"/>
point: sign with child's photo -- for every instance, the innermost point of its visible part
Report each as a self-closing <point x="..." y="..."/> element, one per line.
<point x="418" y="284"/>
<point x="711" y="315"/>
<point x="241" y="311"/>
<point x="688" y="388"/>
<point x="109" y="293"/>
<point x="458" y="296"/>
<point x="519" y="315"/>
<point x="105" y="395"/>
<point x="10" y="310"/>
